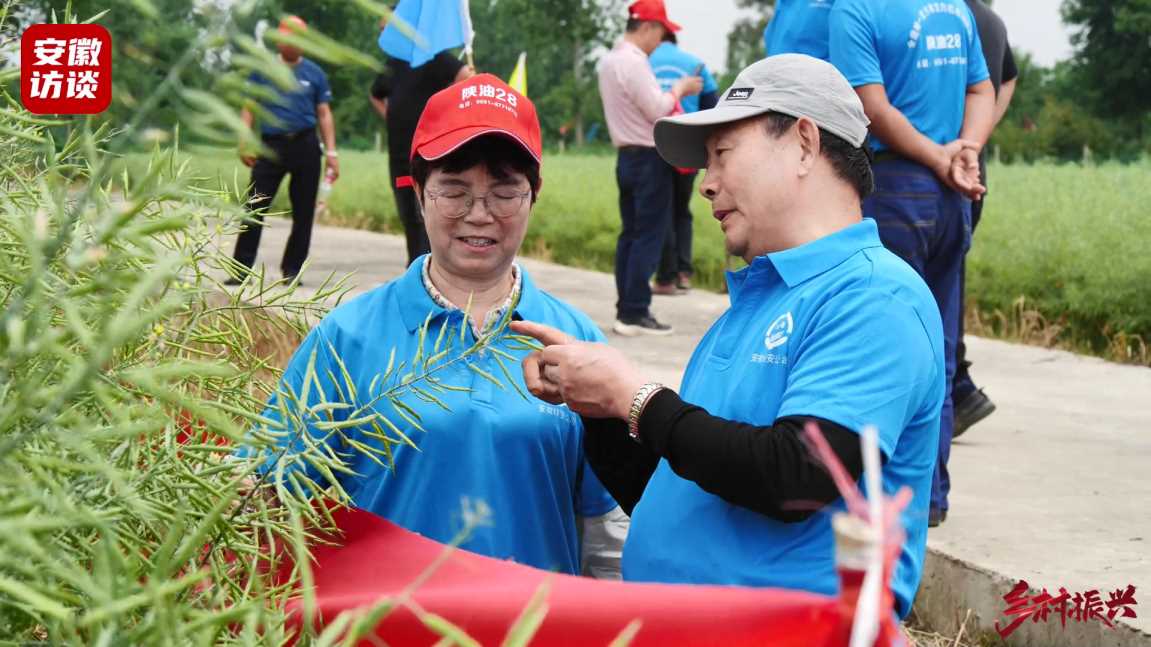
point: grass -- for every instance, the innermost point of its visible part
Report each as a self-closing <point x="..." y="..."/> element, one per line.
<point x="921" y="635"/>
<point x="1058" y="259"/>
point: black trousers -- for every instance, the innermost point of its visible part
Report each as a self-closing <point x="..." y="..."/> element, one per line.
<point x="645" y="193"/>
<point x="676" y="255"/>
<point x="297" y="155"/>
<point x="963" y="384"/>
<point x="415" y="233"/>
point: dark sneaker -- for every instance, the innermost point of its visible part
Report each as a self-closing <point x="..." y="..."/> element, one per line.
<point x="970" y="410"/>
<point x="289" y="278"/>
<point x="683" y="282"/>
<point x="664" y="289"/>
<point x="936" y="517"/>
<point x="233" y="281"/>
<point x="640" y="326"/>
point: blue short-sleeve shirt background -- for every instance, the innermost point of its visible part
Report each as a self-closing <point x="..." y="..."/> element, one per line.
<point x="798" y="27"/>
<point x="296" y="108"/>
<point x="521" y="457"/>
<point x="670" y="64"/>
<point x="841" y="329"/>
<point x="924" y="52"/>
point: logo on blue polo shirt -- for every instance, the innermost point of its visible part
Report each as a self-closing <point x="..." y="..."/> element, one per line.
<point x="779" y="331"/>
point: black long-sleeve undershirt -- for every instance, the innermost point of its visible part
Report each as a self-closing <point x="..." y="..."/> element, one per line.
<point x="765" y="469"/>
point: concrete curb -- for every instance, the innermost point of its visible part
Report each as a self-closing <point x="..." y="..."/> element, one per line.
<point x="951" y="585"/>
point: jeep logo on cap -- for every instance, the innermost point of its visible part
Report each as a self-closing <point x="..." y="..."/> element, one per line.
<point x="739" y="94"/>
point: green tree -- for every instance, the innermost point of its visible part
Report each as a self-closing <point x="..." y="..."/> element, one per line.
<point x="147" y="40"/>
<point x="1113" y="55"/>
<point x="560" y="38"/>
<point x="745" y="40"/>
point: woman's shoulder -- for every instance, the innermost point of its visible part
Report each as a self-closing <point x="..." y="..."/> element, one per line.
<point x="379" y="304"/>
<point x="560" y="314"/>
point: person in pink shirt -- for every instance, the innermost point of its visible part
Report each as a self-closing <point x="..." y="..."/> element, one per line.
<point x="632" y="102"/>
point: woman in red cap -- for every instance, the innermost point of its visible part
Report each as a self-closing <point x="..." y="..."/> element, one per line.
<point x="476" y="172"/>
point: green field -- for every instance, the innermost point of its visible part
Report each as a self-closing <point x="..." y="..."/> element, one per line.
<point x="1059" y="258"/>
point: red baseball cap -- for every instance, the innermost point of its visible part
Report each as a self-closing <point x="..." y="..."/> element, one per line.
<point x="481" y="105"/>
<point x="291" y="24"/>
<point x="651" y="10"/>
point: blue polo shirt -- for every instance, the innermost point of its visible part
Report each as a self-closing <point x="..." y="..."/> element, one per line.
<point x="297" y="108"/>
<point x="521" y="457"/>
<point x="670" y="64"/>
<point x="798" y="27"/>
<point x="924" y="52"/>
<point x="839" y="328"/>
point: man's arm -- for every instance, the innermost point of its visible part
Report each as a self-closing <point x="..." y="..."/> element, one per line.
<point x="621" y="464"/>
<point x="1003" y="100"/>
<point x="645" y="91"/>
<point x="893" y="129"/>
<point x="978" y="113"/>
<point x="380" y="105"/>
<point x="765" y="469"/>
<point x="246" y="156"/>
<point x="328" y="134"/>
<point x="1007" y="87"/>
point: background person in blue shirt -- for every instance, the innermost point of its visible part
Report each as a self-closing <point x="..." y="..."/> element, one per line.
<point x="918" y="67"/>
<point x="670" y="64"/>
<point x="295" y="151"/>
<point x="798" y="27"/>
<point x="476" y="171"/>
<point x="825" y="324"/>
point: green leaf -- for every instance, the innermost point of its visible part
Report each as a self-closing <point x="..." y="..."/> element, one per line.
<point x="37" y="603"/>
<point x="530" y="619"/>
<point x="487" y="376"/>
<point x="444" y="627"/>
<point x="628" y="634"/>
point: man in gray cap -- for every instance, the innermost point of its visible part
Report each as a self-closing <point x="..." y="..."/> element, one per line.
<point x="825" y="325"/>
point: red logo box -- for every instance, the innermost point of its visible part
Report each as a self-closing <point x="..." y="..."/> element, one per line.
<point x="66" y="69"/>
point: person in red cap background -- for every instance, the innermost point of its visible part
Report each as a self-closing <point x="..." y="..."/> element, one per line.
<point x="475" y="161"/>
<point x="295" y="151"/>
<point x="632" y="102"/>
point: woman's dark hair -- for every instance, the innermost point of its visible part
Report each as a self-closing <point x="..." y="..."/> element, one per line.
<point x="851" y="163"/>
<point x="501" y="156"/>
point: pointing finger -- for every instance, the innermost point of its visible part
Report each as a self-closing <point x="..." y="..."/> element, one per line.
<point x="545" y="334"/>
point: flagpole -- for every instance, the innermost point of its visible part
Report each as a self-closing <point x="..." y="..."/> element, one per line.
<point x="469" y="33"/>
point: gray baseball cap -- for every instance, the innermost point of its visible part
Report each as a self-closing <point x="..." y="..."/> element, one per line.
<point x="792" y="84"/>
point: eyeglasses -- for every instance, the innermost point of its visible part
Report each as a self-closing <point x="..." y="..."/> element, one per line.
<point x="457" y="203"/>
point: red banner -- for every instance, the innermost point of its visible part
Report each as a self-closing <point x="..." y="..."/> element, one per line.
<point x="377" y="559"/>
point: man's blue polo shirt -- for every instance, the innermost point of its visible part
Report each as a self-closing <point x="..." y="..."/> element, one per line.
<point x="841" y="329"/>
<point x="296" y="108"/>
<point x="670" y="64"/>
<point x="521" y="457"/>
<point x="925" y="53"/>
<point x="798" y="27"/>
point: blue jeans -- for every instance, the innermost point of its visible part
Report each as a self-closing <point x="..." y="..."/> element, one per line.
<point x="645" y="206"/>
<point x="929" y="226"/>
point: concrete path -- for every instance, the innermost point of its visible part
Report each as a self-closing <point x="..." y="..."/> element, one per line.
<point x="1052" y="489"/>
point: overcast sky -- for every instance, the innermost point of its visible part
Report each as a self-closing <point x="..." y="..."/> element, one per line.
<point x="1032" y="26"/>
